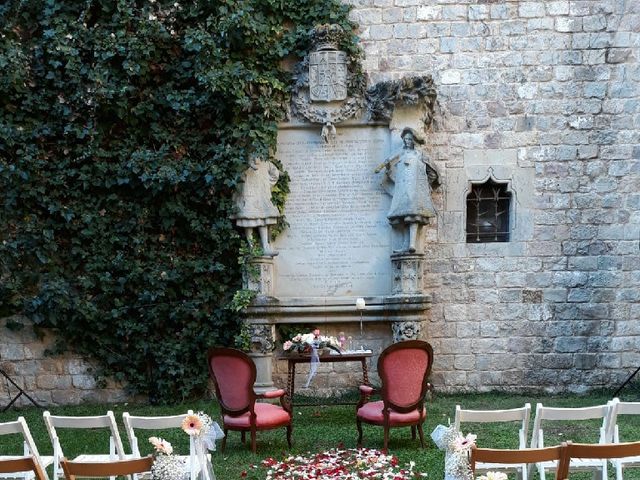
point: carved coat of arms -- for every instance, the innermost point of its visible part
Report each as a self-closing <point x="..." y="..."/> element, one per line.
<point x="327" y="76"/>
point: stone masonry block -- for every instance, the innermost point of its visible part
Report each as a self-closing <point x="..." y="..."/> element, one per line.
<point x="558" y="7"/>
<point x="478" y="12"/>
<point x="449" y="77"/>
<point x="468" y="329"/>
<point x="630" y="359"/>
<point x="465" y="362"/>
<point x="12" y="351"/>
<point x="381" y="32"/>
<point x="53" y="382"/>
<point x="571" y="344"/>
<point x="499" y="11"/>
<point x="594" y="23"/>
<point x="429" y="12"/>
<point x="83" y="382"/>
<point x="454" y="12"/>
<point x="568" y="24"/>
<point x="531" y="9"/>
<point x="368" y="16"/>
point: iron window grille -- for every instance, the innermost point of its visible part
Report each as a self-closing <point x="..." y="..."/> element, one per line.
<point x="488" y="210"/>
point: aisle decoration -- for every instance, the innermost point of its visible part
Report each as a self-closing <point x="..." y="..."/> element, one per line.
<point x="166" y="465"/>
<point x="457" y="449"/>
<point x="311" y="343"/>
<point x="203" y="432"/>
<point x="336" y="464"/>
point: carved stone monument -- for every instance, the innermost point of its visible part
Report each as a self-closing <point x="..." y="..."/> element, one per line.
<point x="351" y="232"/>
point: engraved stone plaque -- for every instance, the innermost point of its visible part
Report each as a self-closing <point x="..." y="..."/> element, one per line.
<point x="338" y="239"/>
<point x="327" y="76"/>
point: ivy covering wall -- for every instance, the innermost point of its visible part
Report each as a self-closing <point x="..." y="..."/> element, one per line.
<point x="124" y="128"/>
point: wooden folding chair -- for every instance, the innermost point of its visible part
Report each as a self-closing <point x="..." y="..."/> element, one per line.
<point x="518" y="457"/>
<point x="604" y="451"/>
<point x="19" y="427"/>
<point x="23" y="465"/>
<point x="133" y="422"/>
<point x="520" y="415"/>
<point x="579" y="416"/>
<point x="105" y="422"/>
<point x="105" y="469"/>
<point x="619" y="409"/>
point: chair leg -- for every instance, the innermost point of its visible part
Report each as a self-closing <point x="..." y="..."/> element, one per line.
<point x="413" y="432"/>
<point x="253" y="440"/>
<point x="359" y="427"/>
<point x="224" y="440"/>
<point x="289" y="430"/>
<point x="243" y="438"/>
<point x="386" y="438"/>
<point x="421" y="435"/>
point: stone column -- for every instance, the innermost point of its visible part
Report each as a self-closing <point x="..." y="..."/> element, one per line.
<point x="262" y="345"/>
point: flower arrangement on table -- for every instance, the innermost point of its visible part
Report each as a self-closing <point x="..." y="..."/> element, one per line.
<point x="336" y="464"/>
<point x="204" y="432"/>
<point x="305" y="343"/>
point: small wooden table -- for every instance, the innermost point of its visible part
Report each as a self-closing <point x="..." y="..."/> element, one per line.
<point x="351" y="356"/>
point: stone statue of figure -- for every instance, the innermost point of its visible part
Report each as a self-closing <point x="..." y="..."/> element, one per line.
<point x="409" y="178"/>
<point x="253" y="199"/>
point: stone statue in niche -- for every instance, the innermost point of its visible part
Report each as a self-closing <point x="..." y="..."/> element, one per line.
<point x="253" y="200"/>
<point x="408" y="179"/>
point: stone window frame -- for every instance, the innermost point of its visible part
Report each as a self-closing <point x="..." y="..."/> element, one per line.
<point x="508" y="188"/>
<point x="476" y="165"/>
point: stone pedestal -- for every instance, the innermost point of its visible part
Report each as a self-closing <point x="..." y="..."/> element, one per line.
<point x="262" y="345"/>
<point x="264" y="368"/>
<point x="259" y="276"/>
<point x="407" y="282"/>
<point x="407" y="273"/>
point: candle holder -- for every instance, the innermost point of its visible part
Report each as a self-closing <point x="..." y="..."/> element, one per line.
<point x="360" y="305"/>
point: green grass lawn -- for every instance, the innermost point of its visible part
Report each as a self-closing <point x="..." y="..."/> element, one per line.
<point x="319" y="428"/>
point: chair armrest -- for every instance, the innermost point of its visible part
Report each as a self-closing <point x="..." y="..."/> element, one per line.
<point x="271" y="394"/>
<point x="366" y="390"/>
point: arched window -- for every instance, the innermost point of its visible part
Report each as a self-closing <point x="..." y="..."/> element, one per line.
<point x="488" y="210"/>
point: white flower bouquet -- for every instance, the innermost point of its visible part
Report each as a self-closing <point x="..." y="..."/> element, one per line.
<point x="305" y="343"/>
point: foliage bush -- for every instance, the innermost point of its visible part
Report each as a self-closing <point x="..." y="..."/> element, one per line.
<point x="124" y="128"/>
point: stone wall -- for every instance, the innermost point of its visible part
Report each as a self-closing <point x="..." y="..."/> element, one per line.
<point x="49" y="380"/>
<point x="546" y="94"/>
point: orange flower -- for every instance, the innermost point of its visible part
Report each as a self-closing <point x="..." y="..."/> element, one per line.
<point x="192" y="425"/>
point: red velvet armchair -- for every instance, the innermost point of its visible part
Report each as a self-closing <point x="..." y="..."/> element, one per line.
<point x="234" y="373"/>
<point x="403" y="369"/>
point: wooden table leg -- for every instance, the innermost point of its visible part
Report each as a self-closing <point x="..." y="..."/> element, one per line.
<point x="291" y="370"/>
<point x="365" y="372"/>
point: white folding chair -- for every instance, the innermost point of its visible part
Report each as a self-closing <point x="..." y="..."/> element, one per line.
<point x="619" y="408"/>
<point x="19" y="427"/>
<point x="551" y="414"/>
<point x="132" y="422"/>
<point x="108" y="421"/>
<point x="521" y="415"/>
